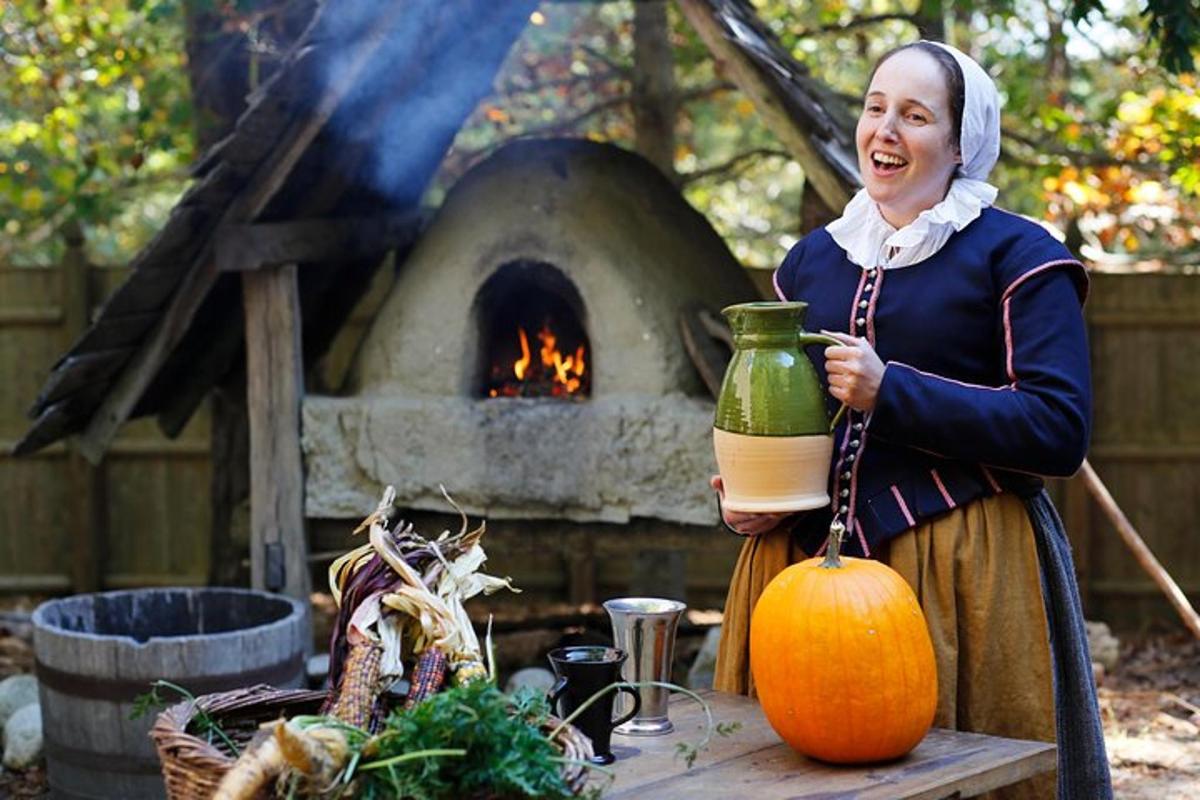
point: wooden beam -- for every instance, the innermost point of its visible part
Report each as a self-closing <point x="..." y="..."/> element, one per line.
<point x="267" y="179"/>
<point x="654" y="98"/>
<point x="274" y="386"/>
<point x="769" y="103"/>
<point x="27" y="317"/>
<point x="265" y="244"/>
<point x="708" y="357"/>
<point x="87" y="510"/>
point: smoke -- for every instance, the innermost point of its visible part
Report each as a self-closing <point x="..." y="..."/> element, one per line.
<point x="410" y="72"/>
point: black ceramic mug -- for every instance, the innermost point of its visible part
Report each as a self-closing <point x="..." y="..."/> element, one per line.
<point x="583" y="671"/>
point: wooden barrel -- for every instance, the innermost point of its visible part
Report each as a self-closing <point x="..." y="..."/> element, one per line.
<point x="97" y="652"/>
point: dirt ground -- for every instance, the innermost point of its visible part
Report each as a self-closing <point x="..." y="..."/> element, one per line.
<point x="1150" y="704"/>
<point x="1151" y="709"/>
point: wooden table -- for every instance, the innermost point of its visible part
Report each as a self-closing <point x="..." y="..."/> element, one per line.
<point x="754" y="763"/>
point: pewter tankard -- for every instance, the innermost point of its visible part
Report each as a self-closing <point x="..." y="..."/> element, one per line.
<point x="645" y="627"/>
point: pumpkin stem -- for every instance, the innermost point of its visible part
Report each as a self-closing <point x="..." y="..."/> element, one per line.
<point x="833" y="546"/>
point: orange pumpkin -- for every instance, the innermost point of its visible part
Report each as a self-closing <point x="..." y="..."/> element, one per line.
<point x="842" y="659"/>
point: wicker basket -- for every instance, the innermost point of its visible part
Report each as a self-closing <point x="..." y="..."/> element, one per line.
<point x="193" y="767"/>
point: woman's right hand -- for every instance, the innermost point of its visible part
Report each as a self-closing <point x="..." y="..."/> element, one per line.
<point x="745" y="523"/>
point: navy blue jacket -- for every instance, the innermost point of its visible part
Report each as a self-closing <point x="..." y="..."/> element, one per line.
<point x="986" y="385"/>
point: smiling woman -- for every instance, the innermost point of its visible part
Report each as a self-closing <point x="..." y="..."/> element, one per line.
<point x="907" y="136"/>
<point x="963" y="362"/>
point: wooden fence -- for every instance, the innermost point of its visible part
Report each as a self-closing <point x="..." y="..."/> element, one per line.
<point x="143" y="517"/>
<point x="1145" y="342"/>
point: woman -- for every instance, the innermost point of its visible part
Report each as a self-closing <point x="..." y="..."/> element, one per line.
<point x="964" y="365"/>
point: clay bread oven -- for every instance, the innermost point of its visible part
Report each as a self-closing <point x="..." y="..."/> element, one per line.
<point x="583" y="240"/>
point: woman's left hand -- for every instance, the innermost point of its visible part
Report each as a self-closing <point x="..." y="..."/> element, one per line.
<point x="855" y="371"/>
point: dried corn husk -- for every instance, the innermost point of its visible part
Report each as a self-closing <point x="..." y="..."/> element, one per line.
<point x="418" y="588"/>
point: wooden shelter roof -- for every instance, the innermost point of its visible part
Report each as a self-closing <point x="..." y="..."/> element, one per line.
<point x="297" y="180"/>
<point x="813" y="110"/>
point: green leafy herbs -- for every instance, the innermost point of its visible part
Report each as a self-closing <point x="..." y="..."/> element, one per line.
<point x="201" y="723"/>
<point x="688" y="751"/>
<point x="490" y="745"/>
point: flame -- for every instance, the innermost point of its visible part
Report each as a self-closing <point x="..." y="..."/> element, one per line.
<point x="565" y="369"/>
<point x="521" y="365"/>
<point x="560" y="374"/>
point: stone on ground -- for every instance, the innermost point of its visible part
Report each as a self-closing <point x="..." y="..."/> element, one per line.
<point x="23" y="738"/>
<point x="16" y="692"/>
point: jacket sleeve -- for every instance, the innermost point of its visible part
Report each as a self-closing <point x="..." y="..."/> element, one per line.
<point x="1039" y="422"/>
<point x="785" y="274"/>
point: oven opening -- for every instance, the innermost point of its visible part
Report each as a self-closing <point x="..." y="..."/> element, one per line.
<point x="534" y="340"/>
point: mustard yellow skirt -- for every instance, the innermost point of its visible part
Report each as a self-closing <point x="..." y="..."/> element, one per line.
<point x="975" y="572"/>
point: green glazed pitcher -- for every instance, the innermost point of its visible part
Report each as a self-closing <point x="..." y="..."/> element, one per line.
<point x="772" y="431"/>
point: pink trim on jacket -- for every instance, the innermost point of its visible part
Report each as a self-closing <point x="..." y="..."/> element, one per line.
<point x="942" y="488"/>
<point x="1005" y="388"/>
<point x="775" y="283"/>
<point x="862" y="446"/>
<point x="871" y="307"/>
<point x="862" y="281"/>
<point x="1008" y="345"/>
<point x="862" y="539"/>
<point x="1012" y="287"/>
<point x="1006" y="302"/>
<point x="837" y="475"/>
<point x="903" y="506"/>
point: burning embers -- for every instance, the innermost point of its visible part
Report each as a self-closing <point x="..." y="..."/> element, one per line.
<point x="546" y="373"/>
<point x="533" y="341"/>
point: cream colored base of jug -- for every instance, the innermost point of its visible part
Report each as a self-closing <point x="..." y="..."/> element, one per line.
<point x="772" y="474"/>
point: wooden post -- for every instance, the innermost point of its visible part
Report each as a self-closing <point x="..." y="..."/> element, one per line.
<point x="654" y="98"/>
<point x="580" y="556"/>
<point x="659" y="572"/>
<point x="814" y="212"/>
<point x="274" y="386"/>
<point x="87" y="511"/>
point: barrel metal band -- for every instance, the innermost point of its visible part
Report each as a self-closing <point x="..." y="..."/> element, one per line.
<point x="125" y="690"/>
<point x="101" y="762"/>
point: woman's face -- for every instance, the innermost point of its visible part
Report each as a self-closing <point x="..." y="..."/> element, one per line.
<point x="905" y="137"/>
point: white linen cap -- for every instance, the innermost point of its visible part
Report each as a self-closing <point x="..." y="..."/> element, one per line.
<point x="979" y="139"/>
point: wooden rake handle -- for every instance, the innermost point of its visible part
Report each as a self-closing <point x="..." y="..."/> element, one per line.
<point x="1140" y="551"/>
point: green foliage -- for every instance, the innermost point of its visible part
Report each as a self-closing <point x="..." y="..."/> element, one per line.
<point x="503" y="752"/>
<point x="201" y="724"/>
<point x="689" y="751"/>
<point x="95" y="121"/>
<point x="1176" y="25"/>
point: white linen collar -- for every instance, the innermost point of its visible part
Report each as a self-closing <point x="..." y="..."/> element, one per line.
<point x="868" y="238"/>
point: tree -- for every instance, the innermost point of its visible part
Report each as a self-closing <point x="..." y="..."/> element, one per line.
<point x="94" y="122"/>
<point x="1063" y="65"/>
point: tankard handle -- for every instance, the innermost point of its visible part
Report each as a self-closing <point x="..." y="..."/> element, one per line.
<point x="805" y="338"/>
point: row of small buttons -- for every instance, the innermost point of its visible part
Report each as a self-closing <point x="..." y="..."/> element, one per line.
<point x="857" y="426"/>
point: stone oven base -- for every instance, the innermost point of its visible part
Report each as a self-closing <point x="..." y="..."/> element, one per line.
<point x="608" y="459"/>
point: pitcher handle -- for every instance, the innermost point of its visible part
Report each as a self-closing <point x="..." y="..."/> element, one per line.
<point x="556" y="691"/>
<point x="637" y="704"/>
<point x="805" y="338"/>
